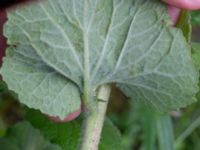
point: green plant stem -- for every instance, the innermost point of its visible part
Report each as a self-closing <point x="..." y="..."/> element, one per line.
<point x="187" y="132"/>
<point x="94" y="120"/>
<point x="165" y="131"/>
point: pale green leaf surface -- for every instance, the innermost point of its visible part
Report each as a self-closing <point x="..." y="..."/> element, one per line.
<point x="24" y="137"/>
<point x="93" y="42"/>
<point x="38" y="85"/>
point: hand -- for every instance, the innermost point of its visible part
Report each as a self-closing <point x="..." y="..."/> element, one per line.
<point x="175" y="5"/>
<point x="68" y="118"/>
<point x="185" y="4"/>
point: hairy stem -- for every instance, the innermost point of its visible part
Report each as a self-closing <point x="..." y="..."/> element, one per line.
<point x="94" y="120"/>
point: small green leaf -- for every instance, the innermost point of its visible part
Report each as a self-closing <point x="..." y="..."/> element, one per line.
<point x="86" y="43"/>
<point x="196" y="17"/>
<point x="67" y="135"/>
<point x="111" y="137"/>
<point x="24" y="137"/>
<point x="64" y="134"/>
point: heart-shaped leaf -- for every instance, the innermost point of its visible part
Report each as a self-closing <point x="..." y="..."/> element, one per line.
<point x="66" y="46"/>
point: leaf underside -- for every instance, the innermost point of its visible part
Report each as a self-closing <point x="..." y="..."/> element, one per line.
<point x="57" y="45"/>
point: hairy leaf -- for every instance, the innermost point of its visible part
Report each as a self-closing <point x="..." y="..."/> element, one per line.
<point x="92" y="42"/>
<point x="24" y="137"/>
<point x="38" y="85"/>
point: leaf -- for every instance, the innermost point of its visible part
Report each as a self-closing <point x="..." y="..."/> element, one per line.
<point x="196" y="54"/>
<point x="38" y="85"/>
<point x="111" y="137"/>
<point x="195" y="17"/>
<point x="184" y="23"/>
<point x="64" y="134"/>
<point x="67" y="135"/>
<point x="24" y="137"/>
<point x="94" y="42"/>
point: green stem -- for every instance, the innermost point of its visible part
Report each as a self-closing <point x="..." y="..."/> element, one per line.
<point x="165" y="131"/>
<point x="94" y="119"/>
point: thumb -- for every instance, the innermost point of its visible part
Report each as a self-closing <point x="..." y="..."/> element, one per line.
<point x="185" y="4"/>
<point x="174" y="14"/>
